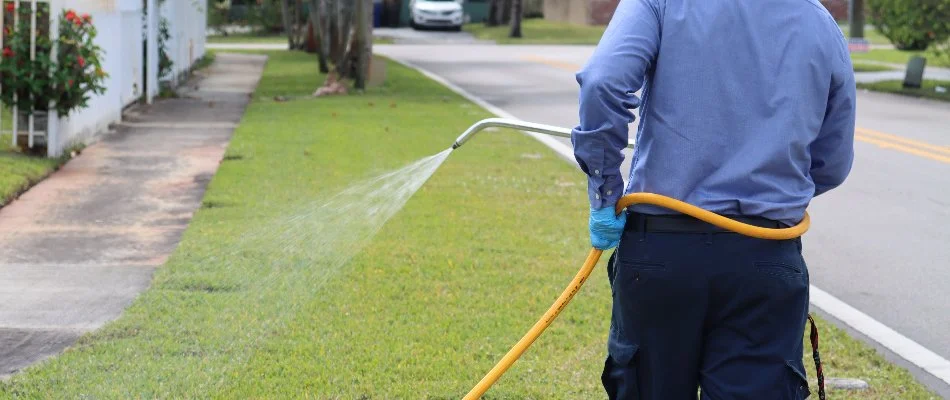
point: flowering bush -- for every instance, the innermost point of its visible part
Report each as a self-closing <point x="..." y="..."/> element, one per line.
<point x="69" y="81"/>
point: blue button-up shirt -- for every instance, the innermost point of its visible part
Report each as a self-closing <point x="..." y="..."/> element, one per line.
<point x="747" y="107"/>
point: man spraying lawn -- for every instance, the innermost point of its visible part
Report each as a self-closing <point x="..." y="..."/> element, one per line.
<point x="747" y="110"/>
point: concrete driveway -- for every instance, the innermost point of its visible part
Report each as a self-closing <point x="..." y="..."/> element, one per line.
<point x="426" y="36"/>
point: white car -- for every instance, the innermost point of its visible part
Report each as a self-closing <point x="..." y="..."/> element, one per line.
<point x="436" y="14"/>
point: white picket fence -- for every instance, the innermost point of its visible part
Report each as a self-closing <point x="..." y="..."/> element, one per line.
<point x="132" y="69"/>
<point x="32" y="136"/>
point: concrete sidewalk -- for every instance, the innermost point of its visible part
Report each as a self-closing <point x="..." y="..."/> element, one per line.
<point x="76" y="249"/>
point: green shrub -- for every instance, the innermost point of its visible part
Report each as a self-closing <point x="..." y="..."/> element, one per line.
<point x="912" y="24"/>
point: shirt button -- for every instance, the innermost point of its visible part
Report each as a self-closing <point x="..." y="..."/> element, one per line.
<point x="597" y="196"/>
<point x="610" y="192"/>
<point x="596" y="172"/>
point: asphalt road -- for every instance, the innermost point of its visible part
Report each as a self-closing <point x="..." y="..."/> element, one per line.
<point x="880" y="243"/>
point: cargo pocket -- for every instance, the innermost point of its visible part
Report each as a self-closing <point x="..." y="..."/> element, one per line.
<point x="797" y="382"/>
<point x="620" y="371"/>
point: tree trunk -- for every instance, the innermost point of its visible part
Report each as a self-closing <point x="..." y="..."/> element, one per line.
<point x="363" y="41"/>
<point x="493" y="16"/>
<point x="517" y="10"/>
<point x="317" y="11"/>
<point x="506" y="12"/>
<point x="288" y="25"/>
<point x="856" y="18"/>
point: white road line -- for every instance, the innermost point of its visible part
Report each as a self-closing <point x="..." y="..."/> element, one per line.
<point x="901" y="345"/>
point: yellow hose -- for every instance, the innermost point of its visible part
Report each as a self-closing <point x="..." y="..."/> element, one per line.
<point x="594" y="255"/>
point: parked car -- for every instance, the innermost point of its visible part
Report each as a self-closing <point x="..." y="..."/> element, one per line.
<point x="436" y="14"/>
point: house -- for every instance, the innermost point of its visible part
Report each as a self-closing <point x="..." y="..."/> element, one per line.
<point x="124" y="35"/>
<point x="580" y="12"/>
<point x="599" y="12"/>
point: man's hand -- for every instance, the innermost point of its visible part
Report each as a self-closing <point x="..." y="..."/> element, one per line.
<point x="606" y="227"/>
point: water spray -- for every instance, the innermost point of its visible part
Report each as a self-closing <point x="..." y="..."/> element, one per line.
<point x="594" y="256"/>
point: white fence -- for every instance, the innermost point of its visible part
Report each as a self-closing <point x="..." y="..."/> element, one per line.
<point x="124" y="35"/>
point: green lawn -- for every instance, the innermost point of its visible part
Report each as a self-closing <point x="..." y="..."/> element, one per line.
<point x="422" y="312"/>
<point x="248" y="38"/>
<point x="19" y="171"/>
<point x="900" y="57"/>
<point x="872" y="35"/>
<point x="927" y="91"/>
<point x="870" y="67"/>
<point x="268" y="39"/>
<point x="540" y="31"/>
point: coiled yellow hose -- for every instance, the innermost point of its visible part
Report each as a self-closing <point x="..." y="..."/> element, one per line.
<point x="594" y="255"/>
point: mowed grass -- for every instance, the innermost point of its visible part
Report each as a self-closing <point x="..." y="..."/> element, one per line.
<point x="870" y="67"/>
<point x="539" y="31"/>
<point x="19" y="171"/>
<point x="895" y="56"/>
<point x="421" y="313"/>
<point x="267" y="38"/>
<point x="928" y="89"/>
<point x="872" y="35"/>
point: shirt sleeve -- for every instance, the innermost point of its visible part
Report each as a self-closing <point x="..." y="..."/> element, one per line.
<point x="832" y="152"/>
<point x="607" y="82"/>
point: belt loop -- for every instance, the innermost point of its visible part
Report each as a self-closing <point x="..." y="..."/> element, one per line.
<point x="709" y="236"/>
<point x="642" y="220"/>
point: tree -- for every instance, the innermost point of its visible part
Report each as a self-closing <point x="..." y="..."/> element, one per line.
<point x="912" y="24"/>
<point x="317" y="21"/>
<point x="517" y="11"/>
<point x="363" y="42"/>
<point x="505" y="12"/>
<point x="291" y="12"/>
<point x="494" y="16"/>
<point x="346" y="40"/>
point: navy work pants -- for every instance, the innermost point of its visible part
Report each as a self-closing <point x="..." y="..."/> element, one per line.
<point x="718" y="311"/>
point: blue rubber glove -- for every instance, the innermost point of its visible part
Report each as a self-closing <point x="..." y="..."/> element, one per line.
<point x="606" y="227"/>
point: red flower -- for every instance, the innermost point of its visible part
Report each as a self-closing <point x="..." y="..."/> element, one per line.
<point x="86" y="18"/>
<point x="81" y="61"/>
<point x="70" y="15"/>
<point x="7" y="52"/>
<point x="70" y="83"/>
<point x="11" y="7"/>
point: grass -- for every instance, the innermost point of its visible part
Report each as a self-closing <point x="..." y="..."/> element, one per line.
<point x="248" y="38"/>
<point x="894" y="56"/>
<point x="540" y="31"/>
<point x="870" y="34"/>
<point x="428" y="307"/>
<point x="19" y="171"/>
<point x="268" y="39"/>
<point x="897" y="87"/>
<point x="870" y="67"/>
<point x="204" y="62"/>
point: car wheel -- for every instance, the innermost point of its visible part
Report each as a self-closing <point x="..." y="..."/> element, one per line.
<point x="457" y="28"/>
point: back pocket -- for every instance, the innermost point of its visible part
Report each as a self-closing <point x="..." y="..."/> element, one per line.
<point x="778" y="269"/>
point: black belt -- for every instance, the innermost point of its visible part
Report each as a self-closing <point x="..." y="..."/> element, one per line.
<point x="680" y="223"/>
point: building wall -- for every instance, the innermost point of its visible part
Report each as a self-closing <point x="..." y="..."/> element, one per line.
<point x="601" y="11"/>
<point x="119" y="23"/>
<point x="188" y="26"/>
<point x="838" y="8"/>
<point x="569" y="11"/>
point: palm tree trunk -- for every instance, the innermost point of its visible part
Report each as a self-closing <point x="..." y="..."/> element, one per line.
<point x="317" y="10"/>
<point x="364" y="42"/>
<point x="517" y="10"/>
<point x="288" y="26"/>
<point x="506" y="12"/>
<point x="493" y="16"/>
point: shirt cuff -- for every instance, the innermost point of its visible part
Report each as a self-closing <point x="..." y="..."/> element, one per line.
<point x="604" y="191"/>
